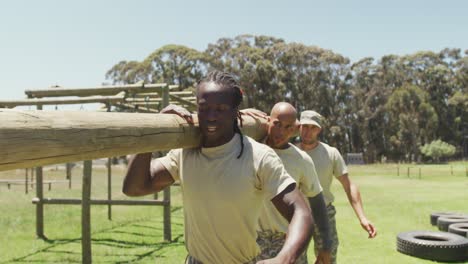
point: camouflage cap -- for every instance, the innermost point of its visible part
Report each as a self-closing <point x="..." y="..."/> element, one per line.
<point x="310" y="117"/>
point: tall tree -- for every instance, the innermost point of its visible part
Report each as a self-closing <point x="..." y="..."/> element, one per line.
<point x="415" y="119"/>
<point x="173" y="64"/>
<point x="379" y="107"/>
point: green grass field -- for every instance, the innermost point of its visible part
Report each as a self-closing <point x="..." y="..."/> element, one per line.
<point x="393" y="203"/>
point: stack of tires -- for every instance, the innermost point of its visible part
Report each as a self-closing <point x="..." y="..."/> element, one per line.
<point x="449" y="244"/>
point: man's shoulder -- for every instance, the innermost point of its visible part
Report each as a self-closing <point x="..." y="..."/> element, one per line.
<point x="327" y="147"/>
<point x="332" y="151"/>
<point x="256" y="146"/>
<point x="301" y="154"/>
<point x="184" y="152"/>
<point x="259" y="151"/>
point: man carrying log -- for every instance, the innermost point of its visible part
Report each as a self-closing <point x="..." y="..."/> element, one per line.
<point x="224" y="183"/>
<point x="282" y="126"/>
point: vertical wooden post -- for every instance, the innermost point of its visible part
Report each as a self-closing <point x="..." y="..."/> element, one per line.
<point x="26" y="189"/>
<point x="165" y="96"/>
<point x="69" y="174"/>
<point x="156" y="196"/>
<point x="109" y="187"/>
<point x="33" y="171"/>
<point x="39" y="205"/>
<point x="86" y="213"/>
<point x="40" y="196"/>
<point x="407" y="173"/>
<point x="451" y="170"/>
<point x="109" y="179"/>
<point x="167" y="190"/>
<point x="398" y="170"/>
<point x="167" y="214"/>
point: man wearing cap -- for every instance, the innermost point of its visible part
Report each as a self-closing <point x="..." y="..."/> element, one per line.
<point x="329" y="164"/>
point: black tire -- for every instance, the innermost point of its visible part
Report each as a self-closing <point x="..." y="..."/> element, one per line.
<point x="443" y="222"/>
<point x="439" y="246"/>
<point x="436" y="215"/>
<point x="459" y="229"/>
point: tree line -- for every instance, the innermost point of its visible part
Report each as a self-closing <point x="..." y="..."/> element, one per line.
<point x="386" y="108"/>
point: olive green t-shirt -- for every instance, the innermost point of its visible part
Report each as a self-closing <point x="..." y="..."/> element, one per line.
<point x="328" y="163"/>
<point x="223" y="195"/>
<point x="301" y="167"/>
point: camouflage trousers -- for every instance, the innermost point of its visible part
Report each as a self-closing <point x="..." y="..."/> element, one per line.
<point x="333" y="233"/>
<point x="271" y="244"/>
<point x="192" y="260"/>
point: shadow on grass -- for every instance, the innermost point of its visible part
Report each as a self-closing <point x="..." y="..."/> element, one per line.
<point x="122" y="243"/>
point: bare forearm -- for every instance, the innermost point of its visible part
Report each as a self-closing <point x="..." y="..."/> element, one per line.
<point x="138" y="176"/>
<point x="354" y="197"/>
<point x="319" y="212"/>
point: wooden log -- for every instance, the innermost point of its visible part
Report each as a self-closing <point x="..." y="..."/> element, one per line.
<point x="146" y="95"/>
<point x="52" y="201"/>
<point x="156" y="104"/>
<point x="104" y="90"/>
<point x="157" y="95"/>
<point x="37" y="138"/>
<point x="183" y="93"/>
<point x="152" y="104"/>
<point x="188" y="98"/>
<point x="136" y="108"/>
<point x="142" y="100"/>
<point x="185" y="101"/>
<point x="21" y="182"/>
<point x="63" y="101"/>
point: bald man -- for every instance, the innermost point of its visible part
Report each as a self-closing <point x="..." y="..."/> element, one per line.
<point x="282" y="126"/>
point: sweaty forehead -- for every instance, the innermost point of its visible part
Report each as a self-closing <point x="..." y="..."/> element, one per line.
<point x="212" y="93"/>
<point x="286" y="118"/>
<point x="283" y="114"/>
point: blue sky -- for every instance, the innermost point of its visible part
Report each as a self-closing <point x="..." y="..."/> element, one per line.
<point x="74" y="43"/>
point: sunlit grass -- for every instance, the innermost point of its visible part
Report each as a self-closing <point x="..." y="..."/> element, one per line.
<point x="135" y="234"/>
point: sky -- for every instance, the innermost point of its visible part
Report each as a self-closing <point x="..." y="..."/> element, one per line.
<point x="74" y="43"/>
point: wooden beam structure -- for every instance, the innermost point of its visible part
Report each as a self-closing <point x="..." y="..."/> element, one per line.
<point x="143" y="100"/>
<point x="99" y="90"/>
<point x="102" y="90"/>
<point x="63" y="101"/>
<point x="136" y="108"/>
<point x="60" y="201"/>
<point x="185" y="101"/>
<point x="190" y="100"/>
<point x="157" y="104"/>
<point x="152" y="95"/>
<point x="37" y="138"/>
